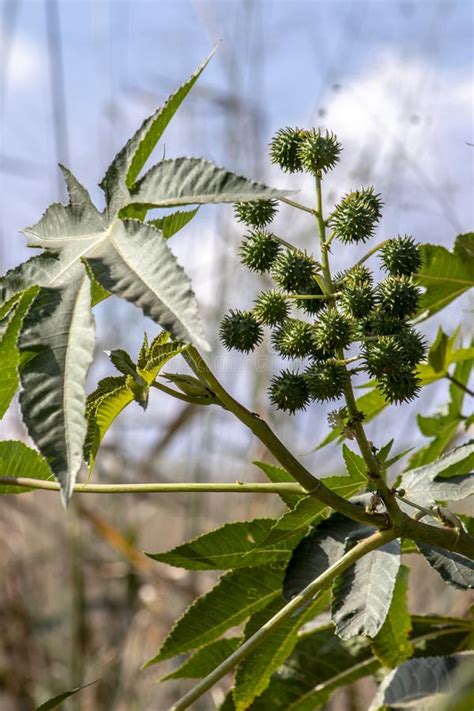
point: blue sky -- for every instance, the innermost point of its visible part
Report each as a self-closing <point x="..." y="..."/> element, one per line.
<point x="392" y="79"/>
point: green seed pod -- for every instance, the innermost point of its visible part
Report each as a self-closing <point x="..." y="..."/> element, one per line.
<point x="333" y="330"/>
<point x="379" y="323"/>
<point x="240" y="330"/>
<point x="284" y="149"/>
<point x="318" y="153"/>
<point x="401" y="256"/>
<point x="356" y="216"/>
<point x="398" y="296"/>
<point x="271" y="308"/>
<point x="294" y="339"/>
<point x="258" y="213"/>
<point x="289" y="391"/>
<point x="311" y="306"/>
<point x="293" y="271"/>
<point x="359" y="275"/>
<point x="412" y="345"/>
<point x="400" y="386"/>
<point x="325" y="381"/>
<point x="357" y="300"/>
<point x="259" y="250"/>
<point x="382" y="356"/>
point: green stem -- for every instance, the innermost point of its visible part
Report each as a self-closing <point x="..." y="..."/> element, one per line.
<point x="371" y="252"/>
<point x="315" y="487"/>
<point x="460" y="385"/>
<point x="306" y="296"/>
<point x="185" y="398"/>
<point x="365" y="546"/>
<point x="231" y="488"/>
<point x="298" y="205"/>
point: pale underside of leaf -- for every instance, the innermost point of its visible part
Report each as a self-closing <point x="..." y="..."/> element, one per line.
<point x="136" y="264"/>
<point x="455" y="569"/>
<point x="188" y="181"/>
<point x="426" y="484"/>
<point x="363" y="593"/>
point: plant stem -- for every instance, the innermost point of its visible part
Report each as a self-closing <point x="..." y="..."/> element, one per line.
<point x="298" y="205"/>
<point x="229" y="488"/>
<point x="374" y="469"/>
<point x="315" y="487"/>
<point x="324" y="580"/>
<point x="185" y="398"/>
<point x="371" y="252"/>
<point x="458" y="383"/>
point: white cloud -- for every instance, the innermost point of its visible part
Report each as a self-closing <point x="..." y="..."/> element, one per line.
<point x="25" y="61"/>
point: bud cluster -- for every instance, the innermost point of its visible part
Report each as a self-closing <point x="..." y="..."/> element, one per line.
<point x="374" y="315"/>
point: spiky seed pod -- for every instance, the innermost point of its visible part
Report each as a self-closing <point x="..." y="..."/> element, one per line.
<point x="379" y="323"/>
<point x="257" y="213"/>
<point x="259" y="250"/>
<point x="357" y="300"/>
<point x="412" y="344"/>
<point x="382" y="356"/>
<point x="294" y="270"/>
<point x="311" y="306"/>
<point x="401" y="256"/>
<point x="318" y="152"/>
<point x="360" y="275"/>
<point x="271" y="308"/>
<point x="401" y="385"/>
<point x="355" y="217"/>
<point x="294" y="339"/>
<point x="284" y="149"/>
<point x="398" y="296"/>
<point x="240" y="330"/>
<point x="325" y="381"/>
<point x="289" y="391"/>
<point x="332" y="330"/>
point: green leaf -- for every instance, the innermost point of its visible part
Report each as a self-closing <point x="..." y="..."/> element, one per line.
<point x="126" y="166"/>
<point x="437" y="352"/>
<point x="309" y="509"/>
<point x="445" y="275"/>
<point x="170" y="224"/>
<point x="113" y="394"/>
<point x="205" y="660"/>
<point x="391" y="645"/>
<point x="56" y="701"/>
<point x="18" y="460"/>
<point x="316" y="552"/>
<point x="237" y="595"/>
<point x="278" y="475"/>
<point x="9" y="353"/>
<point x="428" y="483"/>
<point x="188" y="181"/>
<point x="122" y="361"/>
<point x="455" y="569"/>
<point x="418" y="680"/>
<point x="254" y="673"/>
<point x="189" y="385"/>
<point x="363" y="593"/>
<point x="234" y="545"/>
<point x="134" y="262"/>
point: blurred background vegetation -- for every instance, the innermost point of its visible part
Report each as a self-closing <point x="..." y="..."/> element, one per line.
<point x="393" y="79"/>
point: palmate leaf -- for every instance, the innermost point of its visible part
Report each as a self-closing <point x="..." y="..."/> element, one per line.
<point x="278" y="475"/>
<point x="234" y="545"/>
<point x="127" y="165"/>
<point x="9" y="353"/>
<point x="455" y="569"/>
<point x="18" y="460"/>
<point x="237" y="595"/>
<point x="429" y="483"/>
<point x="254" y="673"/>
<point x="392" y="645"/>
<point x="363" y="593"/>
<point x="418" y="682"/>
<point x="445" y="275"/>
<point x="322" y="662"/>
